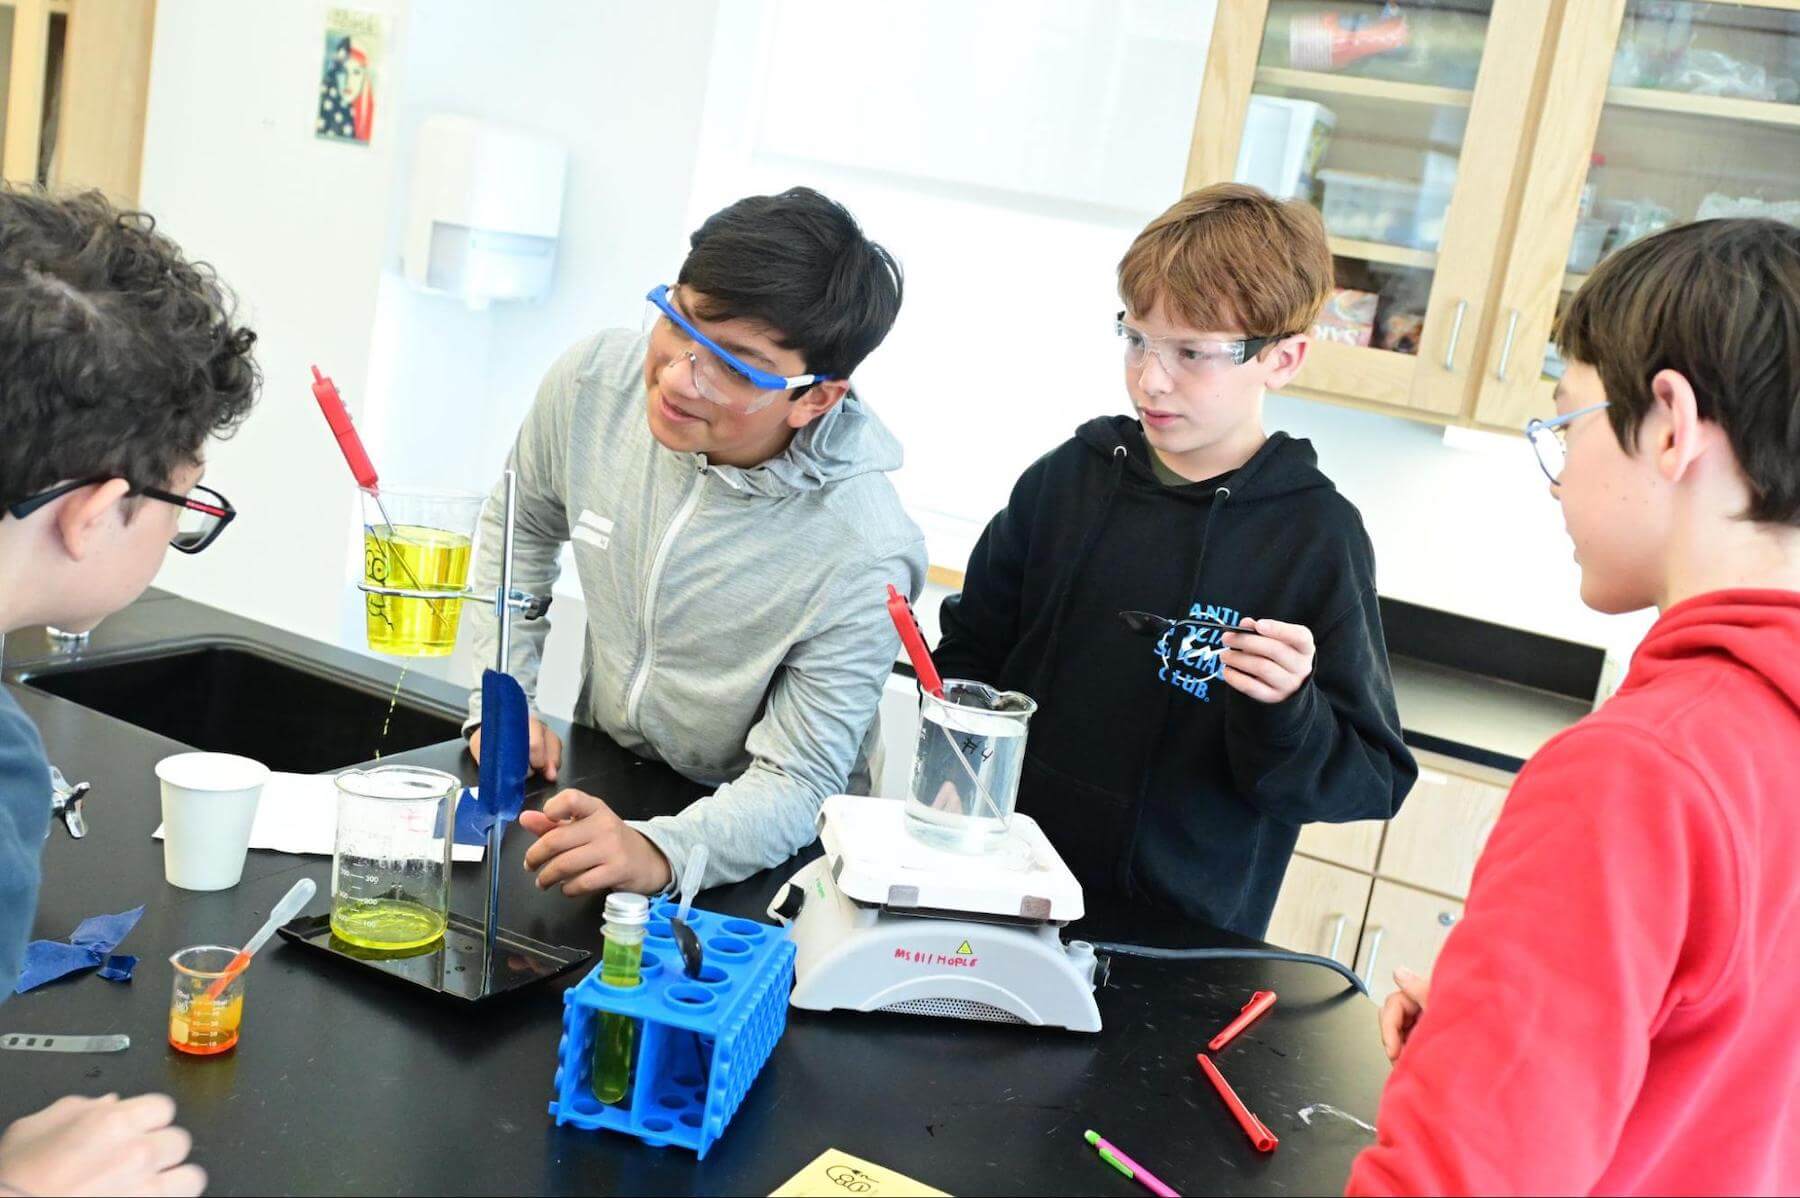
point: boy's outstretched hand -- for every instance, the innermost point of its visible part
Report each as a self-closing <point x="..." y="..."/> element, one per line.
<point x="1268" y="660"/>
<point x="1402" y="1009"/>
<point x="589" y="850"/>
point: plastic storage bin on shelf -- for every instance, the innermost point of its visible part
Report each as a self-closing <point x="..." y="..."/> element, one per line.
<point x="1391" y="211"/>
<point x="700" y="1041"/>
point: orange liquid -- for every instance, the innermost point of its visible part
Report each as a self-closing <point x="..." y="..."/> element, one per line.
<point x="204" y="1027"/>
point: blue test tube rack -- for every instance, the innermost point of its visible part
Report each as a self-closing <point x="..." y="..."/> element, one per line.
<point x="700" y="1041"/>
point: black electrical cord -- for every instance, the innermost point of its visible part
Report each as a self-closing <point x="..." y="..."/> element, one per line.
<point x="1231" y="954"/>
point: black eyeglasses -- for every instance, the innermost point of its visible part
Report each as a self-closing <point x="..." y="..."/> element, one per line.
<point x="199" y="525"/>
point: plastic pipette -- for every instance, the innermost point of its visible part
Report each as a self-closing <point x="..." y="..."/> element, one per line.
<point x="297" y="897"/>
<point x="685" y="939"/>
<point x="690" y="879"/>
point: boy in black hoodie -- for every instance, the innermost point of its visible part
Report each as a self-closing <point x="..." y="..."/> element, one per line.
<point x="1172" y="761"/>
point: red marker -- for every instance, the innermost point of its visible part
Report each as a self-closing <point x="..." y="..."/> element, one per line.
<point x="338" y="417"/>
<point x="1260" y="1136"/>
<point x="914" y="640"/>
<point x="1253" y="1010"/>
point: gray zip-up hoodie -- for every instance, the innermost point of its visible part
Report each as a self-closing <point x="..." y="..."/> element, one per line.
<point x="737" y="626"/>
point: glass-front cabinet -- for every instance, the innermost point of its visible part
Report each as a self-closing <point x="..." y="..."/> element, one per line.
<point x="1473" y="161"/>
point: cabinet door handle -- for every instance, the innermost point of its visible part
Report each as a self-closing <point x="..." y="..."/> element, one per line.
<point x="1512" y="327"/>
<point x="1375" y="938"/>
<point x="1337" y="935"/>
<point x="1462" y="310"/>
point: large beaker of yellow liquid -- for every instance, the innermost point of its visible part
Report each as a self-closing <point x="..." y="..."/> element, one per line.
<point x="427" y="547"/>
<point x="390" y="871"/>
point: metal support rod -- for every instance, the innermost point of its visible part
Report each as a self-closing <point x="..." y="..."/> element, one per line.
<point x="503" y="615"/>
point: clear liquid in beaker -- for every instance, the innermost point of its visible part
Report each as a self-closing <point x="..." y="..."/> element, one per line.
<point x="947" y="809"/>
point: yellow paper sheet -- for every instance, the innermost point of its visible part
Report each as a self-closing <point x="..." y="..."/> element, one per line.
<point x="838" y="1173"/>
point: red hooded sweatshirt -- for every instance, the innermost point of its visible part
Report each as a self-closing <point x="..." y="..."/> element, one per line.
<point x="1619" y="1011"/>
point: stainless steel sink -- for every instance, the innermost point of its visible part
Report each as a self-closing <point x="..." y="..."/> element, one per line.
<point x="229" y="696"/>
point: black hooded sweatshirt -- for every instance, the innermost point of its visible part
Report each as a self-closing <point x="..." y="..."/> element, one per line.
<point x="1153" y="777"/>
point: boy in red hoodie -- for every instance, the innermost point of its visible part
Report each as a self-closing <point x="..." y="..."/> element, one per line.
<point x="1617" y="1012"/>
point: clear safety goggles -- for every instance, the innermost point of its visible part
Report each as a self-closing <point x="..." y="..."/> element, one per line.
<point x="1187" y="357"/>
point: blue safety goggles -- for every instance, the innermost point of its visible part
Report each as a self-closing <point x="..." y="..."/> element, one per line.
<point x="761" y="379"/>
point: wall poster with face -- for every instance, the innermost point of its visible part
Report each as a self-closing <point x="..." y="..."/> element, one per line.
<point x="355" y="45"/>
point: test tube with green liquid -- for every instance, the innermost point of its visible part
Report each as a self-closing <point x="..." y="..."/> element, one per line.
<point x="621" y="961"/>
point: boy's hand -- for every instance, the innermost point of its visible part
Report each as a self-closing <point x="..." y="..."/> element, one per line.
<point x="100" y="1146"/>
<point x="589" y="850"/>
<point x="1269" y="660"/>
<point x="1402" y="1010"/>
<point x="546" y="749"/>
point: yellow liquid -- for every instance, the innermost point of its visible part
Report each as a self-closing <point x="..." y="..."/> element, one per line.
<point x="385" y="923"/>
<point x="204" y="1027"/>
<point x="620" y="966"/>
<point x="414" y="558"/>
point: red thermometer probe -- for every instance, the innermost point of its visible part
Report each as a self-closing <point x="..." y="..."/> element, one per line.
<point x="338" y="417"/>
<point x="914" y="640"/>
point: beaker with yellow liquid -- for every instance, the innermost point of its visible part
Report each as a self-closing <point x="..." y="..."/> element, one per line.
<point x="390" y="871"/>
<point x="426" y="547"/>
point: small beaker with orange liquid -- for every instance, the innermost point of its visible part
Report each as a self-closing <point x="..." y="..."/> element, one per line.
<point x="200" y="1023"/>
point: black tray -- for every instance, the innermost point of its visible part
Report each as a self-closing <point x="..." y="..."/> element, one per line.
<point x="452" y="967"/>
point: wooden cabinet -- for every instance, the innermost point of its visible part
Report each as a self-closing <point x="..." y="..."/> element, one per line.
<point x="1321" y="909"/>
<point x="1441" y="829"/>
<point x="1474" y="170"/>
<point x="1356" y="845"/>
<point x="76" y="77"/>
<point x="1405" y="926"/>
<point x="1377" y="895"/>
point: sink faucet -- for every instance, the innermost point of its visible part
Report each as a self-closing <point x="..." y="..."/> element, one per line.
<point x="65" y="804"/>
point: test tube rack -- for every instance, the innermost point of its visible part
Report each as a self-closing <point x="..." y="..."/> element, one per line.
<point x="700" y="1042"/>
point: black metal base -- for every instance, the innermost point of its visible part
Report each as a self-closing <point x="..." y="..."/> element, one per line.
<point x="453" y="966"/>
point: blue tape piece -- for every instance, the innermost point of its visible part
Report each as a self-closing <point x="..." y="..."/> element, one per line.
<point x="505" y="749"/>
<point x="471" y="823"/>
<point x="118" y="967"/>
<point x="90" y="946"/>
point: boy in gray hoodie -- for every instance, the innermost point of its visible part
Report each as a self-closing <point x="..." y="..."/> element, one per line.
<point x="734" y="531"/>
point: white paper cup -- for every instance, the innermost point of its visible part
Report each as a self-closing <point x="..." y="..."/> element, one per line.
<point x="208" y="805"/>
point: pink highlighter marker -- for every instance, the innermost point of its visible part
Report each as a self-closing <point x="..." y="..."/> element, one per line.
<point x="1130" y="1168"/>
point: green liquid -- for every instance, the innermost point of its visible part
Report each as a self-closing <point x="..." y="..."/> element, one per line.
<point x="619" y="966"/>
<point x="385" y="923"/>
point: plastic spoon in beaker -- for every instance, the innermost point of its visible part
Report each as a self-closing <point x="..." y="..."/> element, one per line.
<point x="691" y="955"/>
<point x="297" y="897"/>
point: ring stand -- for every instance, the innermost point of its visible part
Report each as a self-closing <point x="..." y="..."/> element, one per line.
<point x="475" y="959"/>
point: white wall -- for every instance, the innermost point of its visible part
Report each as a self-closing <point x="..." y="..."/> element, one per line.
<point x="297" y="227"/>
<point x="450" y="386"/>
<point x="308" y="234"/>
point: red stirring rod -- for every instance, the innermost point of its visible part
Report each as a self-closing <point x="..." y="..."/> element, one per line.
<point x="1260" y="1136"/>
<point x="1253" y="1010"/>
<point x="914" y="640"/>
